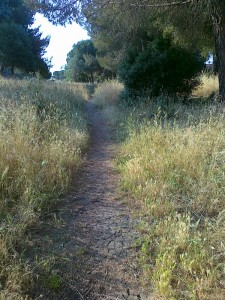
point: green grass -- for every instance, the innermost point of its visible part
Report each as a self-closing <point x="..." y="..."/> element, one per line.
<point x="172" y="163"/>
<point x="42" y="136"/>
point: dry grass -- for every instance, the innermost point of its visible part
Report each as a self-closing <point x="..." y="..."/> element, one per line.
<point x="174" y="168"/>
<point x="177" y="173"/>
<point x="209" y="85"/>
<point x="42" y="134"/>
<point x="107" y="93"/>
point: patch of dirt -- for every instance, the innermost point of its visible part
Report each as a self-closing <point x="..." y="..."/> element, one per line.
<point x="91" y="243"/>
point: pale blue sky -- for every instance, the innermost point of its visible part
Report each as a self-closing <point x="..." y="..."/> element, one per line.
<point x="62" y="39"/>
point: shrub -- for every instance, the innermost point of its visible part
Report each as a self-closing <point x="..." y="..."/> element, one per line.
<point x="162" y="67"/>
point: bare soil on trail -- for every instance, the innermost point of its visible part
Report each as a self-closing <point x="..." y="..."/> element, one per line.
<point x="89" y="251"/>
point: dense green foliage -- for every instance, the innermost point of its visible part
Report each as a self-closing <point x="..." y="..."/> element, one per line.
<point x="160" y="67"/>
<point x="83" y="64"/>
<point x="115" y="25"/>
<point x="59" y="75"/>
<point x="15" y="11"/>
<point x="20" y="46"/>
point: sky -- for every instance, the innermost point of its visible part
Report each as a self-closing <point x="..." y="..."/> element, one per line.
<point x="62" y="40"/>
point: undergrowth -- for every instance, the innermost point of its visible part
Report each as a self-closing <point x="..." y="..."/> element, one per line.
<point x="107" y="93"/>
<point x="172" y="164"/>
<point x="176" y="173"/>
<point x="209" y="84"/>
<point x="42" y="135"/>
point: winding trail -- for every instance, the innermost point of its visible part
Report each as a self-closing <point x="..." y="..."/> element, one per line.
<point x="92" y="246"/>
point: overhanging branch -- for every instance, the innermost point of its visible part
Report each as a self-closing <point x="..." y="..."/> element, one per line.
<point x="156" y="5"/>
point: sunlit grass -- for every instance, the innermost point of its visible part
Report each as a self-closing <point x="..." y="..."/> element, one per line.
<point x="177" y="174"/>
<point x="209" y="84"/>
<point x="42" y="135"/>
<point x="172" y="164"/>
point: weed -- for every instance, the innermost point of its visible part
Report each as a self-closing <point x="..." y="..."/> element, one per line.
<point x="81" y="251"/>
<point x="54" y="281"/>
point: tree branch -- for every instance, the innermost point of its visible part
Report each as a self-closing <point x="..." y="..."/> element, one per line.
<point x="156" y="5"/>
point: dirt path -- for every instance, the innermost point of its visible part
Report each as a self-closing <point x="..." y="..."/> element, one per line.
<point x="92" y="245"/>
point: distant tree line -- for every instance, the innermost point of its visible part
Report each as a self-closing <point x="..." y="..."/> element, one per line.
<point x="83" y="65"/>
<point x="157" y="65"/>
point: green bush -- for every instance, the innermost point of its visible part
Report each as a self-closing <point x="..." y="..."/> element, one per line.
<point x="162" y="67"/>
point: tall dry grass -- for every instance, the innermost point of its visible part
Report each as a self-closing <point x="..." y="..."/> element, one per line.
<point x="172" y="163"/>
<point x="209" y="84"/>
<point x="107" y="93"/>
<point x="42" y="135"/>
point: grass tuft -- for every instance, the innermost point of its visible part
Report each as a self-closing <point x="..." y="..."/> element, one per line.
<point x="209" y="85"/>
<point x="107" y="93"/>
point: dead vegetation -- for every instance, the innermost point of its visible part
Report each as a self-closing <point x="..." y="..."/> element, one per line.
<point x="42" y="136"/>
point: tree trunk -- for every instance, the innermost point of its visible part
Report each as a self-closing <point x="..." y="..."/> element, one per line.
<point x="12" y="70"/>
<point x="1" y="68"/>
<point x="218" y="17"/>
<point x="92" y="77"/>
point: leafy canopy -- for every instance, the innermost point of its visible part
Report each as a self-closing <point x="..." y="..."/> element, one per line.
<point x="82" y="63"/>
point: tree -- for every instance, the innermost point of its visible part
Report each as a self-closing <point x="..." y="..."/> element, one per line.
<point x="15" y="11"/>
<point x="82" y="63"/>
<point x="39" y="46"/>
<point x="15" y="48"/>
<point x="22" y="49"/>
<point x="161" y="67"/>
<point x="20" y="46"/>
<point x="59" y="75"/>
<point x="197" y="14"/>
